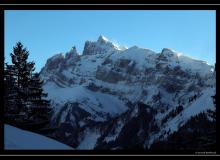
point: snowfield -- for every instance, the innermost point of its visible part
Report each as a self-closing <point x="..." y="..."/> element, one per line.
<point x="18" y="139"/>
<point x="91" y="102"/>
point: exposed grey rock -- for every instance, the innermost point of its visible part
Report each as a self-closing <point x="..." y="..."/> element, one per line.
<point x="108" y="76"/>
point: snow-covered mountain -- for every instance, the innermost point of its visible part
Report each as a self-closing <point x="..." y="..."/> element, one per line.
<point x="111" y="96"/>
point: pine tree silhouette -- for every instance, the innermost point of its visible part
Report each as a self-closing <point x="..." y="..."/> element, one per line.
<point x="24" y="102"/>
<point x="39" y="109"/>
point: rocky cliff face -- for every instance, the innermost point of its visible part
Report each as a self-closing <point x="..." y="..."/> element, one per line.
<point x="115" y="98"/>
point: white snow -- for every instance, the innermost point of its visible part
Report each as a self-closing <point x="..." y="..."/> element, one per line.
<point x="203" y="103"/>
<point x="67" y="73"/>
<point x="88" y="100"/>
<point x="139" y="55"/>
<point x="63" y="116"/>
<point x="101" y="37"/>
<point x="17" y="139"/>
<point x="87" y="67"/>
<point x="186" y="62"/>
<point x="194" y="65"/>
<point x="112" y="137"/>
<point x="89" y="140"/>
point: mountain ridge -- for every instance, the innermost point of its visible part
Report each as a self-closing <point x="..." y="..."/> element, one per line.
<point x="100" y="92"/>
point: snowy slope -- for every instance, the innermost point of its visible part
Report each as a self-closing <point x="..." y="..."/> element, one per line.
<point x="90" y="101"/>
<point x="17" y="139"/>
<point x="186" y="63"/>
<point x="203" y="103"/>
<point x="89" y="140"/>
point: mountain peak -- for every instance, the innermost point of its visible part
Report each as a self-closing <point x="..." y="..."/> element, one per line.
<point x="102" y="39"/>
<point x="101" y="46"/>
<point x="72" y="54"/>
<point x="167" y="51"/>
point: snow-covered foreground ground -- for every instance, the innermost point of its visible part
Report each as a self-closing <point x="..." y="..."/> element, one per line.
<point x="17" y="139"/>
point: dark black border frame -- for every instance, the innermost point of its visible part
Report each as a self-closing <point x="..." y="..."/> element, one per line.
<point x="110" y="2"/>
<point x="100" y="7"/>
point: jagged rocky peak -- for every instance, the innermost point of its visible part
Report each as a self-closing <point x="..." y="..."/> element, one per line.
<point x="54" y="62"/>
<point x="101" y="46"/>
<point x="167" y="51"/>
<point x="166" y="54"/>
<point x="60" y="61"/>
<point x="102" y="39"/>
<point x="171" y="53"/>
<point x="72" y="55"/>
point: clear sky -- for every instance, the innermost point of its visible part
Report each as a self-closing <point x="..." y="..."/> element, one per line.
<point x="45" y="33"/>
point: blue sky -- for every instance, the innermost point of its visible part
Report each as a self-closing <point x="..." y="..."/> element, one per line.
<point x="45" y="33"/>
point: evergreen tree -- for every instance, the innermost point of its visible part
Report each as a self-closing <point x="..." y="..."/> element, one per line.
<point x="213" y="113"/>
<point x="10" y="94"/>
<point x="23" y="71"/>
<point x="39" y="109"/>
<point x="24" y="96"/>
